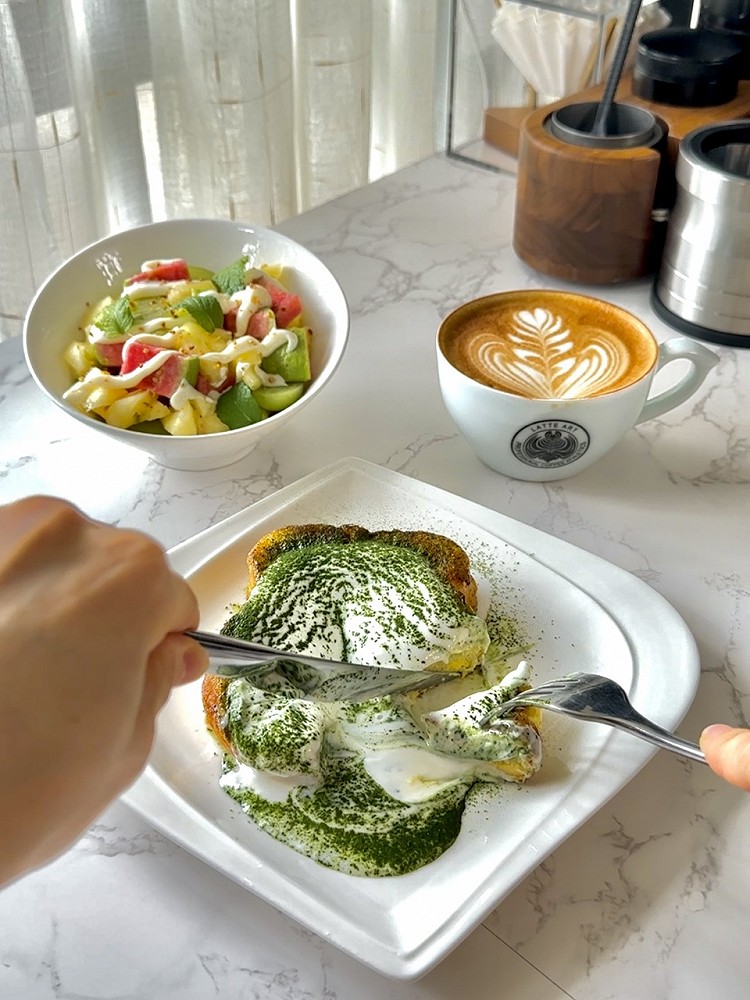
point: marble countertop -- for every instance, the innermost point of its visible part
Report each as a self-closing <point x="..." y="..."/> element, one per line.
<point x="646" y="899"/>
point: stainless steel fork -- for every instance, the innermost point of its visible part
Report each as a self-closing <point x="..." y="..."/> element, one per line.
<point x="596" y="699"/>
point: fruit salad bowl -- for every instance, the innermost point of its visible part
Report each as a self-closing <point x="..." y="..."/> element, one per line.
<point x="179" y="385"/>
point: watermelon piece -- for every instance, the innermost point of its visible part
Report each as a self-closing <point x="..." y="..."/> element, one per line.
<point x="167" y="378"/>
<point x="261" y="323"/>
<point x="109" y="354"/>
<point x="175" y="270"/>
<point x="230" y="321"/>
<point x="203" y="385"/>
<point x="135" y="354"/>
<point x="286" y="305"/>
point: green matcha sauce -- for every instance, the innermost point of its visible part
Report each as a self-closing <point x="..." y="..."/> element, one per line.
<point x="349" y="823"/>
<point x="305" y="771"/>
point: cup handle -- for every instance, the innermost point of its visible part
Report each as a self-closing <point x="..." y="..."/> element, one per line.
<point x="701" y="359"/>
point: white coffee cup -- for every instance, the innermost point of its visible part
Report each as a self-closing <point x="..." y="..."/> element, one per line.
<point x="542" y="383"/>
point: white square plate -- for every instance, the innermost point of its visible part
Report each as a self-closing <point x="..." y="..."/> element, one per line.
<point x="578" y="610"/>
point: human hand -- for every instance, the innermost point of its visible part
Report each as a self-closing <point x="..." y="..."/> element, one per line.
<point x="91" y="643"/>
<point x="727" y="751"/>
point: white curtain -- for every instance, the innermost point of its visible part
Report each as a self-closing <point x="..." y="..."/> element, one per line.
<point x="117" y="112"/>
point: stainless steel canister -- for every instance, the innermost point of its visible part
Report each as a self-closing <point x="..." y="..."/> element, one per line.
<point x="703" y="287"/>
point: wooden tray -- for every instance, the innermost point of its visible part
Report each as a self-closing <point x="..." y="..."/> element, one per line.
<point x="502" y="126"/>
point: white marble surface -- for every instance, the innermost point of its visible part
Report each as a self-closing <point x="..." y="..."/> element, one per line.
<point x="647" y="899"/>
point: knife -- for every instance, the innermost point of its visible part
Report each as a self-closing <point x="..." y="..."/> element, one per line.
<point x="319" y="680"/>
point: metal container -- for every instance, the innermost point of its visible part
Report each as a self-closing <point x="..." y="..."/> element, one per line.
<point x="703" y="287"/>
<point x="687" y="67"/>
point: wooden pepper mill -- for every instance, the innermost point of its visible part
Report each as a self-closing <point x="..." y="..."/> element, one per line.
<point x="589" y="214"/>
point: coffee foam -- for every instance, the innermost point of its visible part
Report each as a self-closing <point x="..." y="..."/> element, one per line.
<point x="548" y="345"/>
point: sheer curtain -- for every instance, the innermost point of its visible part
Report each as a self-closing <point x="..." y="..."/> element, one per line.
<point x="117" y="112"/>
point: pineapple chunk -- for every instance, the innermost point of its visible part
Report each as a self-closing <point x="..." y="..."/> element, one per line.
<point x="80" y="357"/>
<point x="134" y="408"/>
<point x="191" y="338"/>
<point x="210" y="424"/>
<point x="184" y="289"/>
<point x="247" y="373"/>
<point x="214" y="371"/>
<point x="102" y="397"/>
<point x="181" y="422"/>
<point x="202" y="405"/>
<point x="275" y="271"/>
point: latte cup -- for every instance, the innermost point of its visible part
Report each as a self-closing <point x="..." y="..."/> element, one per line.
<point x="542" y="383"/>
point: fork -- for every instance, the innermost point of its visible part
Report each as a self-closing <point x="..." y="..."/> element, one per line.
<point x="596" y="699"/>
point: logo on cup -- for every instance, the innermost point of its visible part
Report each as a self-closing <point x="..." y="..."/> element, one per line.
<point x="549" y="444"/>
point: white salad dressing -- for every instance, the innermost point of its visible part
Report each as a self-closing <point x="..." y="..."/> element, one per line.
<point x="186" y="392"/>
<point x="248" y="301"/>
<point x="149" y="326"/>
<point x="93" y="379"/>
<point x="149" y="289"/>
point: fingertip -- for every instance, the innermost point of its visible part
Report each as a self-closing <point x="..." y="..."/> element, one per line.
<point x="715" y="732"/>
<point x="195" y="662"/>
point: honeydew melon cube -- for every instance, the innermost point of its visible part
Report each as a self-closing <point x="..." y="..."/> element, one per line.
<point x="278" y="397"/>
<point x="293" y="365"/>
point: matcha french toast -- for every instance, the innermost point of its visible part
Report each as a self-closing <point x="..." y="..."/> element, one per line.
<point x="375" y="788"/>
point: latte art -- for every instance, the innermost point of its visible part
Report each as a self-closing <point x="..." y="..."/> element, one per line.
<point x="538" y="356"/>
<point x="559" y="347"/>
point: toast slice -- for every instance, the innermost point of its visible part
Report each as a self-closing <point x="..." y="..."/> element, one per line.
<point x="373" y="788"/>
<point x="345" y="593"/>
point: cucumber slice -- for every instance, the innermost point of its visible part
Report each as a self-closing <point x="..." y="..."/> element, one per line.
<point x="237" y="407"/>
<point x="278" y="397"/>
<point x="293" y="366"/>
<point x="199" y="273"/>
<point x="192" y="369"/>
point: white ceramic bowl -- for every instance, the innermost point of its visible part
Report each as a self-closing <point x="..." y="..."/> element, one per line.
<point x="98" y="270"/>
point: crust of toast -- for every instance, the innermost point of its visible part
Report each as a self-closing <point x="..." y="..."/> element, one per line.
<point x="213" y="692"/>
<point x="447" y="558"/>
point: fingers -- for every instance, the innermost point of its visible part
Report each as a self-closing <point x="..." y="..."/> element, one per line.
<point x="727" y="751"/>
<point x="176" y="660"/>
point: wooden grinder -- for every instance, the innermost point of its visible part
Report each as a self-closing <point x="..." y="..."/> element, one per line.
<point x="586" y="214"/>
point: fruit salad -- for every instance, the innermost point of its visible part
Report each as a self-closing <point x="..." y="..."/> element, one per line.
<point x="184" y="350"/>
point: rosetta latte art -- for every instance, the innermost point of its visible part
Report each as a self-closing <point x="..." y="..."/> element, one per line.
<point x="539" y="357"/>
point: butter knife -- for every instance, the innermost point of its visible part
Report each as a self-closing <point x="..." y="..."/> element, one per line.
<point x="320" y="680"/>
